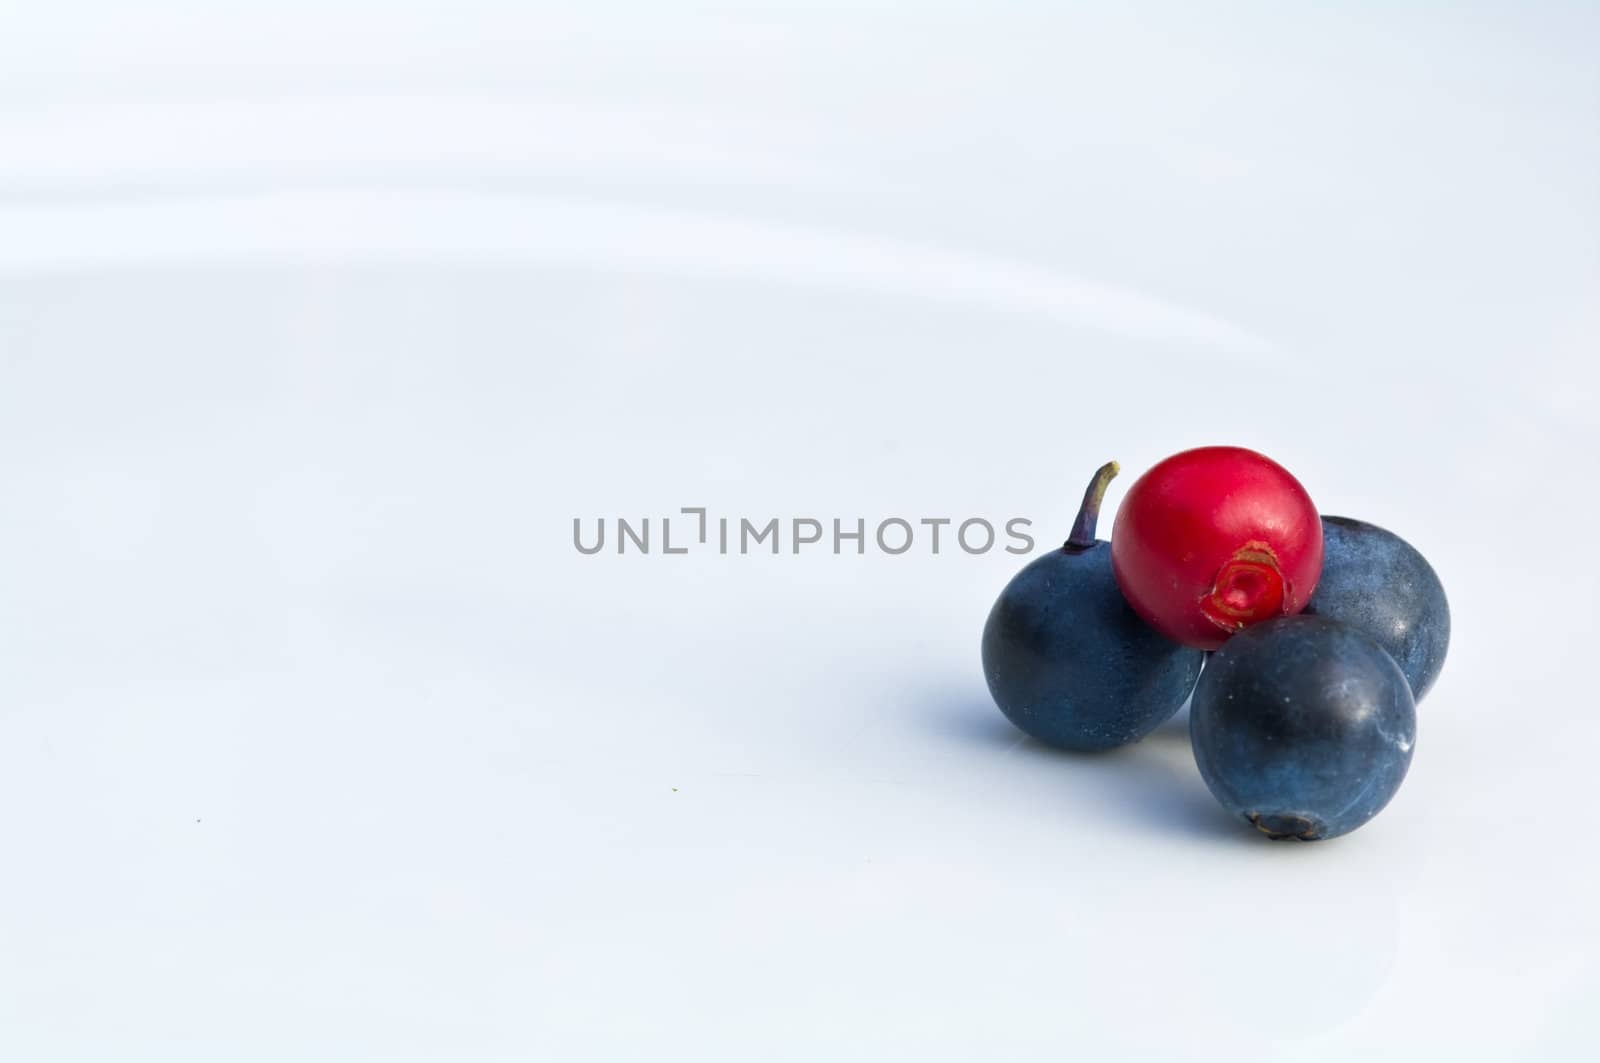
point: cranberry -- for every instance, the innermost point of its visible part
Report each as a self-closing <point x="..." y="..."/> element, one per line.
<point x="1213" y="540"/>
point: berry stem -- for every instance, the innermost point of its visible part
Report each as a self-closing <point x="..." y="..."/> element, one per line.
<point x="1082" y="537"/>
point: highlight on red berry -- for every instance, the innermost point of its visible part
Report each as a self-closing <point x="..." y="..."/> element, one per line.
<point x="1213" y="540"/>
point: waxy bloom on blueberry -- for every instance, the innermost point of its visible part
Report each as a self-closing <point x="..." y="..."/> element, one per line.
<point x="1068" y="661"/>
<point x="1376" y="581"/>
<point x="1303" y="727"/>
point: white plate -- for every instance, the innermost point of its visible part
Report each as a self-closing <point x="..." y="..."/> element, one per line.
<point x="319" y="739"/>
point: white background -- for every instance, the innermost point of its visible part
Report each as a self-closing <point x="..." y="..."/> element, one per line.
<point x="319" y="323"/>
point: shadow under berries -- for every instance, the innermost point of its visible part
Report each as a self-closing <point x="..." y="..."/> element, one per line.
<point x="1150" y="785"/>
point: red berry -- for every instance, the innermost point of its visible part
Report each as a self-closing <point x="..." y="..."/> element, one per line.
<point x="1213" y="540"/>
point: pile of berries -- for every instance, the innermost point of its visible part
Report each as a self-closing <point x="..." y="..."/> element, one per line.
<point x="1305" y="641"/>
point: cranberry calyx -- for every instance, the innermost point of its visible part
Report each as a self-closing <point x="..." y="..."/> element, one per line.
<point x="1249" y="588"/>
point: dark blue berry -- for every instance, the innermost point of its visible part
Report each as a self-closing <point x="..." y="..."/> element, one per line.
<point x="1303" y="727"/>
<point x="1376" y="581"/>
<point x="1068" y="661"/>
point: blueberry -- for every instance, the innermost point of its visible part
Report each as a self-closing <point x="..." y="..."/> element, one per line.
<point x="1068" y="661"/>
<point x="1303" y="726"/>
<point x="1376" y="581"/>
